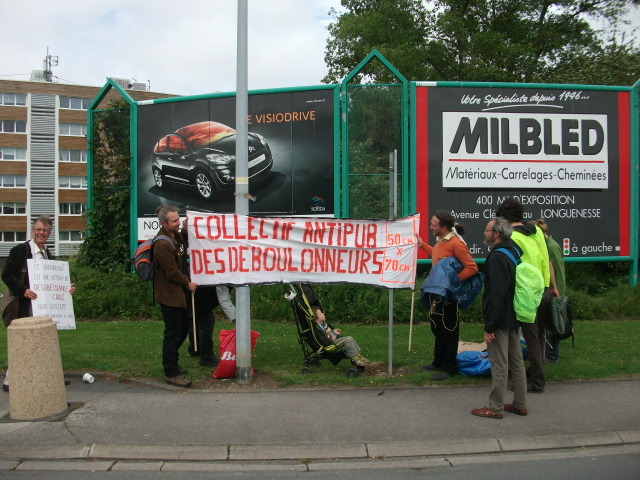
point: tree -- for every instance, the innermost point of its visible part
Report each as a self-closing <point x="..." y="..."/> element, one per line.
<point x="485" y="40"/>
<point x="107" y="244"/>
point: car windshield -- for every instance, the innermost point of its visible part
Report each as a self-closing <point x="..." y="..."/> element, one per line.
<point x="205" y="133"/>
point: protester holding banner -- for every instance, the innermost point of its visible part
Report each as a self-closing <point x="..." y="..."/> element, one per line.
<point x="172" y="287"/>
<point x="15" y="274"/>
<point x="444" y="316"/>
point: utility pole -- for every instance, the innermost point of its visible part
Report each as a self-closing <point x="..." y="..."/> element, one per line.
<point x="243" y="299"/>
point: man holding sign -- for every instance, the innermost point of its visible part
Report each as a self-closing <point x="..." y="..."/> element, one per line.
<point x="15" y="274"/>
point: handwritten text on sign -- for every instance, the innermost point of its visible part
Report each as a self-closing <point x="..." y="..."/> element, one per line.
<point x="243" y="250"/>
<point x="50" y="280"/>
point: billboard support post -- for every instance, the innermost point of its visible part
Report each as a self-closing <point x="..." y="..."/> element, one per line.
<point x="243" y="325"/>
<point x="393" y="213"/>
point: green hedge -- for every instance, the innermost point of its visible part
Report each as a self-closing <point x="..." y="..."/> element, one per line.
<point x="113" y="296"/>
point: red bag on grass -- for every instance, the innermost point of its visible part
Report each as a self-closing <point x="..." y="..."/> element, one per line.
<point x="227" y="366"/>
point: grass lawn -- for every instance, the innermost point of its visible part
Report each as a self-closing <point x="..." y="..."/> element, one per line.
<point x="133" y="349"/>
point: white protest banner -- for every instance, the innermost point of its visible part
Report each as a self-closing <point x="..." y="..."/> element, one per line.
<point x="243" y="250"/>
<point x="51" y="281"/>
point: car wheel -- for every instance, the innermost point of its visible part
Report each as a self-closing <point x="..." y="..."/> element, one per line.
<point x="204" y="184"/>
<point x="157" y="177"/>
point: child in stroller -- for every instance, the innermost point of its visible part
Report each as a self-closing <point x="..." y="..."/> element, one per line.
<point x="317" y="336"/>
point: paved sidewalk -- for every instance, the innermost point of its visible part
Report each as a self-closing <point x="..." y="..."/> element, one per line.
<point x="134" y="426"/>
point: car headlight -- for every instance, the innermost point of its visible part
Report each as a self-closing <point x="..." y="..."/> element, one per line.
<point x="263" y="140"/>
<point x="217" y="159"/>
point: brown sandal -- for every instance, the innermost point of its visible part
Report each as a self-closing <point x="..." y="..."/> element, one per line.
<point x="485" y="412"/>
<point x="518" y="411"/>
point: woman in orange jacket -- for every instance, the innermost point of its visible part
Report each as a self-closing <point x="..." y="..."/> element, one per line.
<point x="444" y="316"/>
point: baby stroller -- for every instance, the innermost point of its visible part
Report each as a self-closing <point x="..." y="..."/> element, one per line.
<point x="315" y="344"/>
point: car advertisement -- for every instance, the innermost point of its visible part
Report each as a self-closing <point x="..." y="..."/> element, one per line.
<point x="186" y="155"/>
<point x="563" y="153"/>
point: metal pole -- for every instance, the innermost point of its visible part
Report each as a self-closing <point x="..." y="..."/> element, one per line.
<point x="393" y="210"/>
<point x="243" y="300"/>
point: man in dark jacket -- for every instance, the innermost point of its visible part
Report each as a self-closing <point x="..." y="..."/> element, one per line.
<point x="171" y="285"/>
<point x="530" y="240"/>
<point x="500" y="324"/>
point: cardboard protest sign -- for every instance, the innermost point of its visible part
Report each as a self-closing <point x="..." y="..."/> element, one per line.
<point x="50" y="280"/>
<point x="243" y="250"/>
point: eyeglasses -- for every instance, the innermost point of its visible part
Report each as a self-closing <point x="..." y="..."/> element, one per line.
<point x="41" y="230"/>
<point x="490" y="230"/>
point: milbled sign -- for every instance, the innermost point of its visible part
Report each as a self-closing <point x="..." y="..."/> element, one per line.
<point x="524" y="150"/>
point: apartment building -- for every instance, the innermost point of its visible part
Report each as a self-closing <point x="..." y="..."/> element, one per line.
<point x="43" y="158"/>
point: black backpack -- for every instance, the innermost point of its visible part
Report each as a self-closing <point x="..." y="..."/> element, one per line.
<point x="561" y="318"/>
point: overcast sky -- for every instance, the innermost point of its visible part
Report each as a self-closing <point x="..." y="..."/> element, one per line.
<point x="186" y="47"/>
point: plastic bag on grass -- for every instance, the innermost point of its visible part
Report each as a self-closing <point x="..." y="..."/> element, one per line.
<point x="227" y="366"/>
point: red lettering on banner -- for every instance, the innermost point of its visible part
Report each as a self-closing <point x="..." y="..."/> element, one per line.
<point x="306" y="260"/>
<point x="216" y="255"/>
<point x="196" y="262"/>
<point x="286" y="230"/>
<point x="270" y="259"/>
<point x="195" y="227"/>
<point x="236" y="228"/>
<point x="243" y="250"/>
<point x="216" y="219"/>
<point x="225" y="234"/>
<point x="252" y="227"/>
<point x="341" y="234"/>
<point x="377" y="261"/>
<point x="207" y="262"/>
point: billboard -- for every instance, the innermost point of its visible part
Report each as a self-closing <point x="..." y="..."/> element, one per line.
<point x="186" y="154"/>
<point x="563" y="152"/>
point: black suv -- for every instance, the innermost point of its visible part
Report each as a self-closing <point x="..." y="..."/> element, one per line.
<point x="204" y="155"/>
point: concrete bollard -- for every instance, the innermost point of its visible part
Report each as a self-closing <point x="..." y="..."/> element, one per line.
<point x="36" y="388"/>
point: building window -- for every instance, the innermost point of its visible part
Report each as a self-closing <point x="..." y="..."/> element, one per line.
<point x="10" y="153"/>
<point x="72" y="208"/>
<point x="19" y="99"/>
<point x="70" y="236"/>
<point x="13" y="208"/>
<point x="74" y="103"/>
<point x="73" y="156"/>
<point x="73" y="129"/>
<point x="65" y="181"/>
<point x="14" y="237"/>
<point x="9" y="181"/>
<point x="13" y="126"/>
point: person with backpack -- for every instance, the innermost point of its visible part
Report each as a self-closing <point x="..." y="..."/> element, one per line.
<point x="500" y="323"/>
<point x="443" y="315"/>
<point x="530" y="240"/>
<point x="172" y="287"/>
